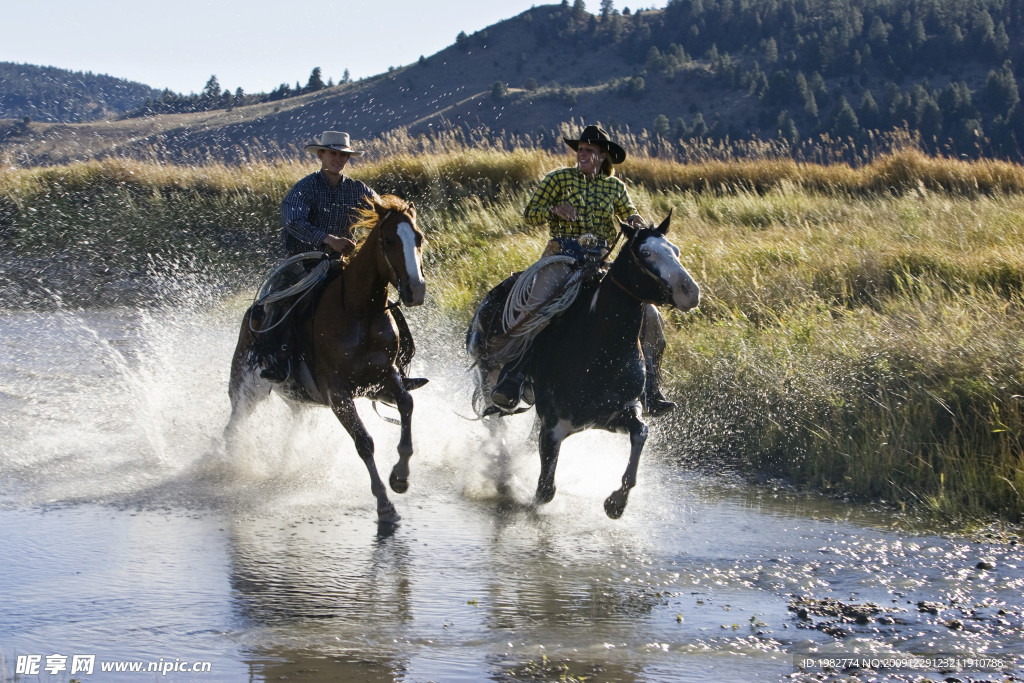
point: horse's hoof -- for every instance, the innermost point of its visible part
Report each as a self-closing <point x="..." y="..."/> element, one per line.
<point x="398" y="484"/>
<point x="544" y="496"/>
<point x="387" y="514"/>
<point x="615" y="504"/>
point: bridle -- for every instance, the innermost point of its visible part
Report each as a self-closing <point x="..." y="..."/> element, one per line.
<point x="666" y="290"/>
<point x="380" y="244"/>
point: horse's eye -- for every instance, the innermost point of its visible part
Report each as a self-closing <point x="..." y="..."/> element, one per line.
<point x="646" y="253"/>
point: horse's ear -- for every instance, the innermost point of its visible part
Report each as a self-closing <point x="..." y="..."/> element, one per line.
<point x="412" y="208"/>
<point x="663" y="228"/>
<point x="628" y="230"/>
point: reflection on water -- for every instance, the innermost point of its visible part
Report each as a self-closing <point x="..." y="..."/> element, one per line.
<point x="130" y="532"/>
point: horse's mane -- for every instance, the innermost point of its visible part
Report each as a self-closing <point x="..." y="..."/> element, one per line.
<point x="368" y="215"/>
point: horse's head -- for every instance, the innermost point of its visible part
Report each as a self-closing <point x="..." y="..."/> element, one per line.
<point x="658" y="275"/>
<point x="401" y="245"/>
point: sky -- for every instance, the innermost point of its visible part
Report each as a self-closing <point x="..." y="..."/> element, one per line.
<point x="256" y="45"/>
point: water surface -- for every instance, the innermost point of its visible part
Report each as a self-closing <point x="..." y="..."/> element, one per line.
<point x="131" y="532"/>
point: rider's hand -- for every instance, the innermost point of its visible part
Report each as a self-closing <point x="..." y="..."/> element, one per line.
<point x="342" y="245"/>
<point x="565" y="211"/>
<point x="635" y="221"/>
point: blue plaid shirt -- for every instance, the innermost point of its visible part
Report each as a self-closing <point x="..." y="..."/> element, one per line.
<point x="313" y="209"/>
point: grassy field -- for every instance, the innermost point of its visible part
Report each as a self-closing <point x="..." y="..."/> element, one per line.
<point x="861" y="331"/>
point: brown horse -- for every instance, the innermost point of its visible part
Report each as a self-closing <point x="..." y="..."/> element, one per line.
<point x="348" y="345"/>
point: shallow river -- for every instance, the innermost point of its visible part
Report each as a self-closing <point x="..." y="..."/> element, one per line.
<point x="132" y="537"/>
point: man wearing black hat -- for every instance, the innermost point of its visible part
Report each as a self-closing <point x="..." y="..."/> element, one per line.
<point x="586" y="198"/>
<point x="576" y="201"/>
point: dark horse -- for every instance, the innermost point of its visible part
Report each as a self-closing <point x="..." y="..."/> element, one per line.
<point x="587" y="368"/>
<point x="348" y="345"/>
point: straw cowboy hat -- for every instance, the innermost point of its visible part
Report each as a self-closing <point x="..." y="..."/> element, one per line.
<point x="332" y="139"/>
<point x="595" y="136"/>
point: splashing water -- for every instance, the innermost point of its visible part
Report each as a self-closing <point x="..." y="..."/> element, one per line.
<point x="132" y="532"/>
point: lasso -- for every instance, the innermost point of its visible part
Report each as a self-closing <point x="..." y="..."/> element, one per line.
<point x="266" y="296"/>
<point x="521" y="322"/>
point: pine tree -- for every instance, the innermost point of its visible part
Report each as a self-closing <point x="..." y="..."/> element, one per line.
<point x="1001" y="93"/>
<point x="212" y="89"/>
<point x="316" y="82"/>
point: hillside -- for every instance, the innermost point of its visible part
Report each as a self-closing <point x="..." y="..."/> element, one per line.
<point x="795" y="71"/>
<point x="45" y="93"/>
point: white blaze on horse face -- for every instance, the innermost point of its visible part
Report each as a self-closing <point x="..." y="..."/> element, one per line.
<point x="662" y="257"/>
<point x="412" y="262"/>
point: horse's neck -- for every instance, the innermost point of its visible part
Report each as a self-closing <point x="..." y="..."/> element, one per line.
<point x="365" y="286"/>
<point x="617" y="314"/>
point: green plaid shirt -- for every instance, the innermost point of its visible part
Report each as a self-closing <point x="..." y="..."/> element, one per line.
<point x="598" y="202"/>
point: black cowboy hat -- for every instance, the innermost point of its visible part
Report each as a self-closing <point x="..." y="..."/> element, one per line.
<point x="596" y="136"/>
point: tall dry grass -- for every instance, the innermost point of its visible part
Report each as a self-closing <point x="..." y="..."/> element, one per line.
<point x="861" y="326"/>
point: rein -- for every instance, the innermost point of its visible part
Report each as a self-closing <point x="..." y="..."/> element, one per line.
<point x="391" y="268"/>
<point x="380" y="245"/>
<point x="665" y="289"/>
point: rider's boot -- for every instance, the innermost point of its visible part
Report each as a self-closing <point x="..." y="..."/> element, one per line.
<point x="406" y="350"/>
<point x="652" y="344"/>
<point x="508" y="391"/>
<point x="655" y="402"/>
<point x="411" y="383"/>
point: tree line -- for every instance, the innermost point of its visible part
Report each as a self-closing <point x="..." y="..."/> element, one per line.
<point x="946" y="70"/>
<point x="213" y="96"/>
<point x="53" y="95"/>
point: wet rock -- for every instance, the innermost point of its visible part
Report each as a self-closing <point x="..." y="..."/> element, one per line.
<point x="930" y="607"/>
<point x="986" y="564"/>
<point x="833" y="630"/>
<point x="806" y="607"/>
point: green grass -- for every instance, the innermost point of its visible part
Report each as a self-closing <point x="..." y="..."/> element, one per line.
<point x="859" y="334"/>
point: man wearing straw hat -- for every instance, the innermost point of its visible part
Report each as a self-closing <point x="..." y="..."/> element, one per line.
<point x="318" y="210"/>
<point x="316" y="215"/>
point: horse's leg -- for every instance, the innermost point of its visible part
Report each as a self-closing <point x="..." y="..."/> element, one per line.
<point x="615" y="504"/>
<point x="551" y="437"/>
<point x="245" y="389"/>
<point x="344" y="408"/>
<point x="498" y="453"/>
<point x="399" y="478"/>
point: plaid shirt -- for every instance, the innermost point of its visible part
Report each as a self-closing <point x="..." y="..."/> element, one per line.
<point x="313" y="209"/>
<point x="598" y="202"/>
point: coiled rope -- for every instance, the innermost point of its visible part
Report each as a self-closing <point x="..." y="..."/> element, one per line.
<point x="267" y="295"/>
<point x="523" y="318"/>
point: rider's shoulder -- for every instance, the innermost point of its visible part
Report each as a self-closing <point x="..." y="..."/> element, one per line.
<point x="562" y="173"/>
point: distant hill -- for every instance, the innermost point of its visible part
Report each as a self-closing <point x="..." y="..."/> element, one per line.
<point x="48" y="94"/>
<point x="794" y="71"/>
